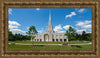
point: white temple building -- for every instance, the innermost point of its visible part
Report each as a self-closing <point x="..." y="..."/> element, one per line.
<point x="49" y="35"/>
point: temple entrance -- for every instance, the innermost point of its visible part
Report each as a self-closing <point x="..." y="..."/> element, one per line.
<point x="46" y="37"/>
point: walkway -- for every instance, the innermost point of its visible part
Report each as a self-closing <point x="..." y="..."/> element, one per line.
<point x="49" y="44"/>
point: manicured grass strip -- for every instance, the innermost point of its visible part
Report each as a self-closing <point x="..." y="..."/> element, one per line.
<point x="29" y="42"/>
<point x="49" y="47"/>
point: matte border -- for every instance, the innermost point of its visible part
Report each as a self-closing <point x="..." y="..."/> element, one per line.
<point x="95" y="52"/>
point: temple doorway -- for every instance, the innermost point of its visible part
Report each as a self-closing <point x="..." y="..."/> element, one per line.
<point x="46" y="37"/>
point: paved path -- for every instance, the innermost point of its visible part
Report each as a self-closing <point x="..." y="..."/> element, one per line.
<point x="34" y="44"/>
<point x="48" y="44"/>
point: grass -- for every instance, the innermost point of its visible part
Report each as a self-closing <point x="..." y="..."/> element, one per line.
<point x="29" y="42"/>
<point x="49" y="47"/>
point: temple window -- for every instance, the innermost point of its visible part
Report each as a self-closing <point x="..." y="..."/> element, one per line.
<point x="53" y="40"/>
<point x="57" y="40"/>
<point x="64" y="40"/>
<point x="60" y="39"/>
<point x="40" y="39"/>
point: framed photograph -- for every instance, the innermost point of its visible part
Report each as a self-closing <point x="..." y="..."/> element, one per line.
<point x="49" y="28"/>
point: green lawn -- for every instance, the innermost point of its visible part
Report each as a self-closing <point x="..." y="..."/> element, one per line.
<point x="49" y="47"/>
<point x="29" y="42"/>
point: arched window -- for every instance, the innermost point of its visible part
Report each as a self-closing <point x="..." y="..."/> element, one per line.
<point x="35" y="39"/>
<point x="57" y="40"/>
<point x="64" y="40"/>
<point x="40" y="39"/>
<point x="61" y="40"/>
<point x="53" y="40"/>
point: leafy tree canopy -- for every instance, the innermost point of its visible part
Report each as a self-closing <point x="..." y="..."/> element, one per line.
<point x="32" y="30"/>
<point x="70" y="33"/>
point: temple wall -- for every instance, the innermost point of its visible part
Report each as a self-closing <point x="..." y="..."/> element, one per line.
<point x="54" y="37"/>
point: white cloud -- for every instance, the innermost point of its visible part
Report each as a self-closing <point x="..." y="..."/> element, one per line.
<point x="14" y="31"/>
<point x="57" y="28"/>
<point x="61" y="31"/>
<point x="37" y="8"/>
<point x="85" y="24"/>
<point x="40" y="31"/>
<point x="10" y="11"/>
<point x="13" y="26"/>
<point x="80" y="31"/>
<point x="80" y="24"/>
<point x="70" y="15"/>
<point x="66" y="27"/>
<point x="90" y="29"/>
<point x="81" y="10"/>
<point x="14" y="23"/>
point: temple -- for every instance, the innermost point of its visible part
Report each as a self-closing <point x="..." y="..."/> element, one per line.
<point x="49" y="35"/>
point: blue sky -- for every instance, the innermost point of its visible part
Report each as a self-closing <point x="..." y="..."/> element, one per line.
<point x="20" y="19"/>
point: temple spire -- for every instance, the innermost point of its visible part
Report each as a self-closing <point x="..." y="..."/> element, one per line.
<point x="49" y="18"/>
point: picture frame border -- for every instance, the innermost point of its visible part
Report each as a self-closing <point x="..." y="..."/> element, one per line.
<point x="47" y="4"/>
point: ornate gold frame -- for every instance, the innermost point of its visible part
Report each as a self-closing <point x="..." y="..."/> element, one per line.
<point x="95" y="5"/>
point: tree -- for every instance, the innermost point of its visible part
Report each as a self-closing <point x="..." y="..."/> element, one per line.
<point x="71" y="33"/>
<point x="83" y="35"/>
<point x="15" y="37"/>
<point x="32" y="31"/>
<point x="89" y="36"/>
<point x="80" y="37"/>
<point x="77" y="36"/>
<point x="10" y="37"/>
